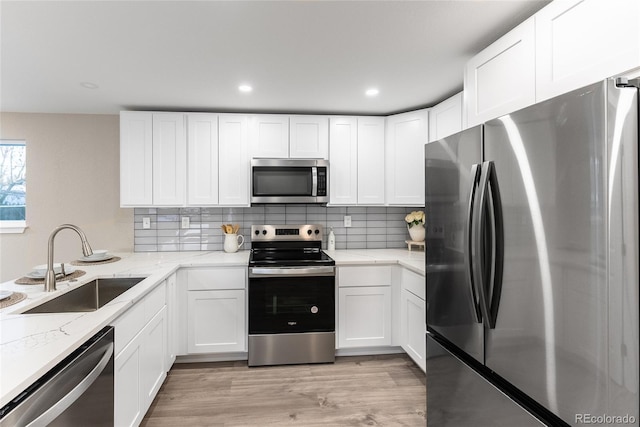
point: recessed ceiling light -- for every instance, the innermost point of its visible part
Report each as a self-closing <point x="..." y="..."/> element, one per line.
<point x="245" y="88"/>
<point x="89" y="85"/>
<point x="372" y="92"/>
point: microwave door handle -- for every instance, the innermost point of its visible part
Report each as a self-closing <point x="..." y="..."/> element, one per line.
<point x="314" y="181"/>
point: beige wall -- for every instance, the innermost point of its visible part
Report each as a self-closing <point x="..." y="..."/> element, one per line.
<point x="72" y="177"/>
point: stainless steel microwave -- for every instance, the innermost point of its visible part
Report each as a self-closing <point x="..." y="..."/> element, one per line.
<point x="289" y="181"/>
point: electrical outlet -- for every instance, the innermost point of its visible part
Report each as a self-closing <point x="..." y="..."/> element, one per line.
<point x="146" y="222"/>
<point x="347" y="221"/>
<point x="185" y="222"/>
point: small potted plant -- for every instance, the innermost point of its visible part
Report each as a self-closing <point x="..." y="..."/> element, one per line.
<point x="415" y="225"/>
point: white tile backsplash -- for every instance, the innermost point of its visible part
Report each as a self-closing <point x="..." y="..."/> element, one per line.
<point x="372" y="227"/>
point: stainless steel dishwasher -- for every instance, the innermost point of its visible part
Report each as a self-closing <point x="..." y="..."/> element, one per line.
<point x="76" y="392"/>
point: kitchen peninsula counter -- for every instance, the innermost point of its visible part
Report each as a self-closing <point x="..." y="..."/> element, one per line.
<point x="32" y="344"/>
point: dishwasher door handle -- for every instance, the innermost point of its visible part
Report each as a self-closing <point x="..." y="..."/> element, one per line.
<point x="54" y="411"/>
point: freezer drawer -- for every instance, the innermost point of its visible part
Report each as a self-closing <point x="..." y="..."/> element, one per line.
<point x="457" y="396"/>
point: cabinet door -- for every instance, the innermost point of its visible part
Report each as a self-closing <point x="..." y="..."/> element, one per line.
<point x="202" y="144"/>
<point x="364" y="316"/>
<point x="501" y="78"/>
<point x="371" y="160"/>
<point x="446" y="118"/>
<point x="269" y="136"/>
<point x="343" y="161"/>
<point x="404" y="164"/>
<point x="413" y="328"/>
<point x="579" y="42"/>
<point x="153" y="357"/>
<point x="216" y="321"/>
<point x="172" y="321"/>
<point x="235" y="164"/>
<point x="309" y="137"/>
<point x="136" y="159"/>
<point x="128" y="403"/>
<point x="169" y="159"/>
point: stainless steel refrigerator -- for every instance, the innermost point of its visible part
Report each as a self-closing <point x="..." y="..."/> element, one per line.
<point x="532" y="277"/>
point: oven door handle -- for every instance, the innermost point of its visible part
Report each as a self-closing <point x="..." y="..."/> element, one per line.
<point x="291" y="271"/>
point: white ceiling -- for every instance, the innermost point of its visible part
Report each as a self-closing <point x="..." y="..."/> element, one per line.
<point x="300" y="56"/>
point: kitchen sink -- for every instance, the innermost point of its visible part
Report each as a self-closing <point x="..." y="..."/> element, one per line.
<point x="88" y="297"/>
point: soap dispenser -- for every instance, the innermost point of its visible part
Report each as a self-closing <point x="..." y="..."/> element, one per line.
<point x="332" y="241"/>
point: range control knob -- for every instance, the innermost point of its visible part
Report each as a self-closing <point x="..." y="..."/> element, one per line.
<point x="257" y="232"/>
<point x="264" y="232"/>
<point x="309" y="232"/>
<point x="317" y="232"/>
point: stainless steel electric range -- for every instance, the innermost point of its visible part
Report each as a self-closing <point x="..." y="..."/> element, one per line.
<point x="291" y="296"/>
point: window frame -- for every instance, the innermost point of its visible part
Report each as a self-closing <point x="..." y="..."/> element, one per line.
<point x="14" y="226"/>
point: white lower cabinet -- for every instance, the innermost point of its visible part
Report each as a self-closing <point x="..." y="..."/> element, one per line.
<point x="153" y="351"/>
<point x="216" y="310"/>
<point x="216" y="321"/>
<point x="364" y="318"/>
<point x="172" y="306"/>
<point x="413" y="328"/>
<point x="364" y="306"/>
<point x="413" y="317"/>
<point x="128" y="398"/>
<point x="141" y="356"/>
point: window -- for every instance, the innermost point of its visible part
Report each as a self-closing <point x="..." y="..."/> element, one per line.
<point x="13" y="186"/>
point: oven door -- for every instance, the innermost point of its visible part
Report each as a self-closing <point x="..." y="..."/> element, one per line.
<point x="291" y="300"/>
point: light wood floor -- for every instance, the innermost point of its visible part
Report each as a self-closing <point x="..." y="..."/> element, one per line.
<point x="384" y="390"/>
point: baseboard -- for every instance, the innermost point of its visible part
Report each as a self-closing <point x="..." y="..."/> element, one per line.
<point x="243" y="355"/>
<point x="368" y="351"/>
<point x="212" y="357"/>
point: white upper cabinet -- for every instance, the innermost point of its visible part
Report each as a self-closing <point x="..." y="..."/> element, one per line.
<point x="501" y="78"/>
<point x="371" y="160"/>
<point x="343" y="161"/>
<point x="136" y="158"/>
<point x="202" y="164"/>
<point x="406" y="135"/>
<point x="579" y="42"/>
<point x="446" y="118"/>
<point x="234" y="161"/>
<point x="309" y="137"/>
<point x="169" y="160"/>
<point x="269" y="136"/>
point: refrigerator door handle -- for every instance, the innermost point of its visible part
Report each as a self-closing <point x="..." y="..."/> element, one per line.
<point x="477" y="243"/>
<point x="489" y="282"/>
<point x="497" y="246"/>
<point x="468" y="259"/>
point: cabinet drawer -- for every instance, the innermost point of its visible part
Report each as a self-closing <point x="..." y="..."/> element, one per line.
<point x="133" y="320"/>
<point x="364" y="276"/>
<point x="154" y="301"/>
<point x="216" y="279"/>
<point x="127" y="326"/>
<point x="414" y="283"/>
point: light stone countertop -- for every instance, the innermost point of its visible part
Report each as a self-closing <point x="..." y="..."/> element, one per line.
<point x="32" y="344"/>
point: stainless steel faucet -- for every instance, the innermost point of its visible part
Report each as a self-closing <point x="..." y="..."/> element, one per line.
<point x="50" y="277"/>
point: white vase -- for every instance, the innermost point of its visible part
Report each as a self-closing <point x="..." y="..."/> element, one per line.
<point x="416" y="232"/>
<point x="233" y="242"/>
